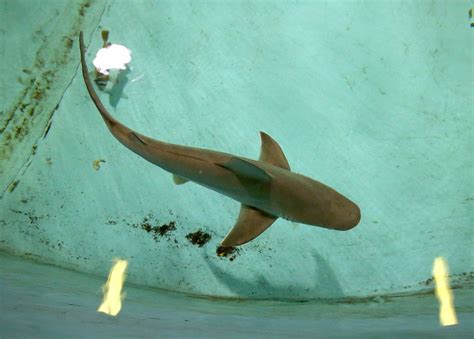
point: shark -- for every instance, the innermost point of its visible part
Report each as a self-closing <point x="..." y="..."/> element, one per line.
<point x="267" y="188"/>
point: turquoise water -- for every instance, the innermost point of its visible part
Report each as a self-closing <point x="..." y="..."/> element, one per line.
<point x="371" y="98"/>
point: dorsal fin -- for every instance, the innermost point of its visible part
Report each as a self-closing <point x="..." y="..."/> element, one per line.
<point x="250" y="224"/>
<point x="246" y="170"/>
<point x="271" y="152"/>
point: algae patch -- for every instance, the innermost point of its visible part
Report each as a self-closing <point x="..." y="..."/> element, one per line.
<point x="198" y="238"/>
<point x="28" y="115"/>
<point x="156" y="231"/>
<point x="228" y="252"/>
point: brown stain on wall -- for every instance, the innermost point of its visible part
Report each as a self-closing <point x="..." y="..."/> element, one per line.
<point x="29" y="115"/>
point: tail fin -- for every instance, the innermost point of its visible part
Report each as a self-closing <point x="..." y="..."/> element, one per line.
<point x="134" y="141"/>
<point x="109" y="120"/>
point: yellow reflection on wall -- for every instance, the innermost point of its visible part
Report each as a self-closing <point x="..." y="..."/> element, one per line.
<point x="447" y="314"/>
<point x="112" y="302"/>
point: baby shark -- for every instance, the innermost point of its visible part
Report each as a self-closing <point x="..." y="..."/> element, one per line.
<point x="266" y="188"/>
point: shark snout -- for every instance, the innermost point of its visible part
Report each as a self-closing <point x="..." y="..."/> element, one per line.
<point x="351" y="216"/>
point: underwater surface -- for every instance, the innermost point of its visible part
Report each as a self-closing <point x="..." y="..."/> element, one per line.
<point x="373" y="99"/>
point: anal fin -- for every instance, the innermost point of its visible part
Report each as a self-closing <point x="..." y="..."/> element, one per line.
<point x="251" y="223"/>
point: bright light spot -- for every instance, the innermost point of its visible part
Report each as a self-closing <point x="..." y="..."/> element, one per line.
<point x="112" y="302"/>
<point x="112" y="57"/>
<point x="447" y="314"/>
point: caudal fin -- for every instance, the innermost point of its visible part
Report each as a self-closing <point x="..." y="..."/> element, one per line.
<point x="109" y="120"/>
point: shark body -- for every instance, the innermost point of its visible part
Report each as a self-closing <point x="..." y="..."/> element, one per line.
<point x="266" y="188"/>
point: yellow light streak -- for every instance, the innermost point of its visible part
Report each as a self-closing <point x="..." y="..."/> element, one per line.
<point x="447" y="313"/>
<point x="112" y="302"/>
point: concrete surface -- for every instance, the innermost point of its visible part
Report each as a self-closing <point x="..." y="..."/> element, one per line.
<point x="40" y="301"/>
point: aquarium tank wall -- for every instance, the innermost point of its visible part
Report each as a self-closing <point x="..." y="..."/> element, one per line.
<point x="372" y="99"/>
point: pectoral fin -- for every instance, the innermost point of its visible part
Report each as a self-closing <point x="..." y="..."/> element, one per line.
<point x="246" y="170"/>
<point x="251" y="223"/>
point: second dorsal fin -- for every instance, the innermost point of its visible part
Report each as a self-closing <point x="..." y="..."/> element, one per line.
<point x="271" y="152"/>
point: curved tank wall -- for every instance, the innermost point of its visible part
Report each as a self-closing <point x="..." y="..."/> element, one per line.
<point x="373" y="99"/>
